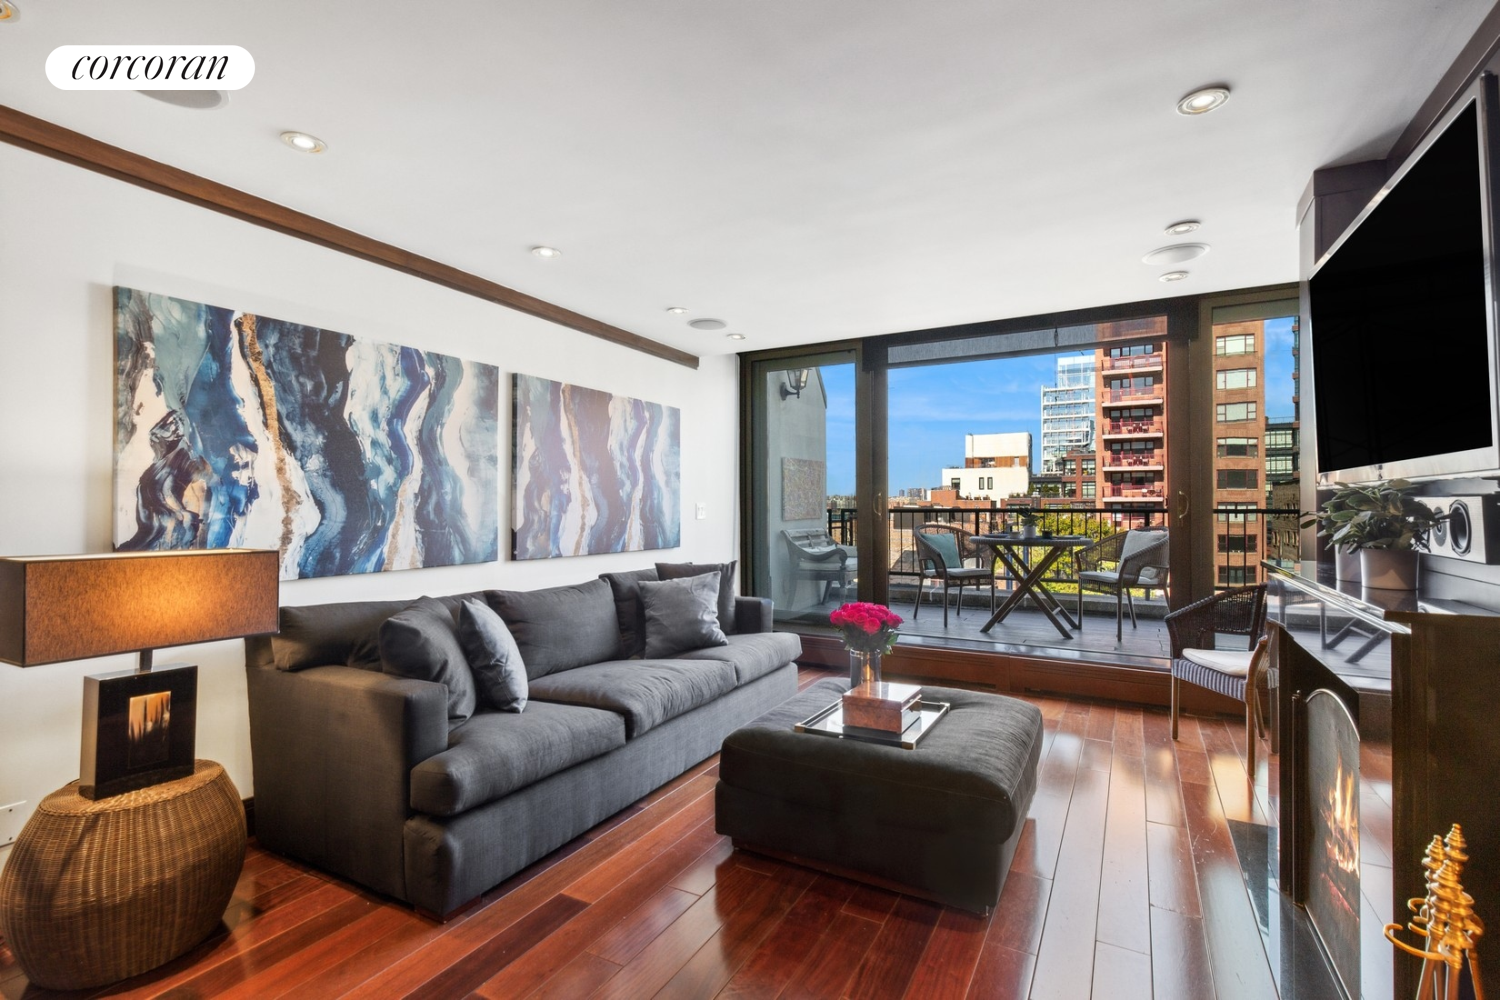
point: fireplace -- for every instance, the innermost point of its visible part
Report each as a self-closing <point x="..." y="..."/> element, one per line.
<point x="1331" y="889"/>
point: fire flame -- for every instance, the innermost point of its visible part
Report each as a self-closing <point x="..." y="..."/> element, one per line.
<point x="1341" y="811"/>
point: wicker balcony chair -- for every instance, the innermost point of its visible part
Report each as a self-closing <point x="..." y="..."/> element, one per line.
<point x="966" y="547"/>
<point x="1235" y="673"/>
<point x="1139" y="559"/>
<point x="938" y="558"/>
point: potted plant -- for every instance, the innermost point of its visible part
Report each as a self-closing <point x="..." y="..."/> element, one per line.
<point x="1384" y="523"/>
<point x="1028" y="518"/>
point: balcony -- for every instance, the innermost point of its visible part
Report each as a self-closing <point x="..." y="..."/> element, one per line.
<point x="1151" y="396"/>
<point x="1133" y="494"/>
<point x="1134" y="428"/>
<point x="1143" y="462"/>
<point x="1138" y="362"/>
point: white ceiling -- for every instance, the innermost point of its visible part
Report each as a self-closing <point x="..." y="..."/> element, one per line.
<point x="805" y="169"/>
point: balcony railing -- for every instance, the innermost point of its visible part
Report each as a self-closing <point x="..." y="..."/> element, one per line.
<point x="1134" y="427"/>
<point x="1132" y="460"/>
<point x="1133" y="492"/>
<point x="1242" y="536"/>
<point x="1135" y="361"/>
<point x="1145" y="394"/>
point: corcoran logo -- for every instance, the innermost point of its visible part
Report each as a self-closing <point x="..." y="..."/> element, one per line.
<point x="150" y="67"/>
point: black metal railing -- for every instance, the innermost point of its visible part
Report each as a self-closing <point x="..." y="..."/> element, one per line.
<point x="1242" y="536"/>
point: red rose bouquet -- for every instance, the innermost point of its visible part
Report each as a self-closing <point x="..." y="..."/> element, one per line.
<point x="867" y="628"/>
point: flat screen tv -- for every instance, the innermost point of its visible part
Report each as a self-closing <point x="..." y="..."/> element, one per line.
<point x="1402" y="313"/>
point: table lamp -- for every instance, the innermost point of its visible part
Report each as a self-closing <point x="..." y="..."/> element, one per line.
<point x="139" y="726"/>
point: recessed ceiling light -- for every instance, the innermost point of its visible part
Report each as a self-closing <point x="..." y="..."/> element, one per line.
<point x="193" y="100"/>
<point x="676" y="310"/>
<point x="547" y="253"/>
<point x="1175" y="254"/>
<point x="304" y="143"/>
<point x="1201" y="102"/>
<point x="1183" y="228"/>
<point x="1174" y="276"/>
<point x="8" y="11"/>
<point x="735" y="336"/>
<point x="708" y="324"/>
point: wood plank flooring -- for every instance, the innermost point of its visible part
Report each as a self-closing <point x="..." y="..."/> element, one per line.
<point x="1125" y="886"/>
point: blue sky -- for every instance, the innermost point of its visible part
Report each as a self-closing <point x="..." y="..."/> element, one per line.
<point x="932" y="408"/>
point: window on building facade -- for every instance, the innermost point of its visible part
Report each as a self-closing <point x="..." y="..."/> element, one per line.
<point x="1088" y="466"/>
<point x="1280" y="465"/>
<point x="1238" y="479"/>
<point x="1238" y="543"/>
<point x="954" y="484"/>
<point x="1232" y="412"/>
<point x="1235" y="513"/>
<point x="1135" y="382"/>
<point x="1090" y="490"/>
<point x="1070" y="490"/>
<point x="1133" y="351"/>
<point x="1279" y="439"/>
<point x="1235" y="378"/>
<point x="1232" y="447"/>
<point x="1238" y="343"/>
<point x="1236" y="575"/>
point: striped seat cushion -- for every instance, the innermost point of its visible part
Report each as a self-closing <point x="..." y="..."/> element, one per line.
<point x="1214" y="677"/>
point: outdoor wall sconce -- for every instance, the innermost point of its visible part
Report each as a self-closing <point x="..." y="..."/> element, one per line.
<point x="796" y="381"/>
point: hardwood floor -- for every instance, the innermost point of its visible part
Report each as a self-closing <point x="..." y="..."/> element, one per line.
<point x="1125" y="886"/>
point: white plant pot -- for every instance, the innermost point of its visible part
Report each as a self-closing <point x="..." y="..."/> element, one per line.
<point x="1388" y="569"/>
<point x="1346" y="566"/>
<point x="1028" y="531"/>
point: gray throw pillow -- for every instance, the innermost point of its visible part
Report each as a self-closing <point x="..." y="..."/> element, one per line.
<point x="499" y="672"/>
<point x="420" y="642"/>
<point x="682" y="615"/>
<point x="559" y="628"/>
<point x="628" y="613"/>
<point x="676" y="571"/>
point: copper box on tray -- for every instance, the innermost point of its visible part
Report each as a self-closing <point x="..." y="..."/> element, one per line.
<point x="887" y="707"/>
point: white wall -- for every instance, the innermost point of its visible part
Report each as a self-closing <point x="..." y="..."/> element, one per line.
<point x="67" y="236"/>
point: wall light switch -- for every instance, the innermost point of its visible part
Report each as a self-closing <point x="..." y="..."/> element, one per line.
<point x="702" y="511"/>
<point x="11" y="821"/>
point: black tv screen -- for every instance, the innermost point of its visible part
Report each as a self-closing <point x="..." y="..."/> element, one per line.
<point x="1400" y="335"/>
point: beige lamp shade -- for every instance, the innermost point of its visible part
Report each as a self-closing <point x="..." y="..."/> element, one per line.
<point x="56" y="608"/>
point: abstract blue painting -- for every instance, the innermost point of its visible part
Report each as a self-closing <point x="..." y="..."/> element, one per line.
<point x="593" y="472"/>
<point x="346" y="455"/>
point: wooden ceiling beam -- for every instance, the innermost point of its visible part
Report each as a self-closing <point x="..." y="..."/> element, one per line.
<point x="48" y="139"/>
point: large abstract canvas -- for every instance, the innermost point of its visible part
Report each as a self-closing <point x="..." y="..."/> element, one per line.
<point x="346" y="455"/>
<point x="593" y="472"/>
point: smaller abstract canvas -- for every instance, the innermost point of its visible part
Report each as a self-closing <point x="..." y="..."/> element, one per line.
<point x="592" y="472"/>
<point x="139" y="729"/>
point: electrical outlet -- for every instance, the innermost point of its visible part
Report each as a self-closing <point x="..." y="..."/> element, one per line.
<point x="11" y="821"/>
<point x="702" y="511"/>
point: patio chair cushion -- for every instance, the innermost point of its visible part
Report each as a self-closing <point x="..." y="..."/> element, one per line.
<point x="1228" y="684"/>
<point x="946" y="546"/>
<point x="1235" y="662"/>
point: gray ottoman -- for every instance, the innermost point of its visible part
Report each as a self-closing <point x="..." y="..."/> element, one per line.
<point x="940" y="821"/>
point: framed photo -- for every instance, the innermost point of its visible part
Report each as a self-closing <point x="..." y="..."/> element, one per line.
<point x="139" y="729"/>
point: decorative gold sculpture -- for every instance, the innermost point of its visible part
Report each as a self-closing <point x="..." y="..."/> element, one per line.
<point x="1445" y="917"/>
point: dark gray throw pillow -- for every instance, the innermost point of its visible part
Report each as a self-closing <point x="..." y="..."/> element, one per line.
<point x="682" y="615"/>
<point x="559" y="628"/>
<point x="677" y="571"/>
<point x="420" y="642"/>
<point x="499" y="672"/>
<point x="628" y="613"/>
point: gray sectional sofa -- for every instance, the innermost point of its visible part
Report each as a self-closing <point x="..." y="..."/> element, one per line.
<point x="361" y="772"/>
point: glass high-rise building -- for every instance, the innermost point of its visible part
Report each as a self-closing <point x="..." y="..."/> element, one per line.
<point x="1068" y="410"/>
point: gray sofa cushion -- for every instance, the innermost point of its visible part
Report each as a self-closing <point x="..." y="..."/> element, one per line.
<point x="495" y="753"/>
<point x="681" y="615"/>
<point x="560" y="627"/>
<point x="626" y="588"/>
<point x="420" y="642"/>
<point x="752" y="654"/>
<point x="676" y="571"/>
<point x="494" y="659"/>
<point x="331" y="635"/>
<point x="646" y="692"/>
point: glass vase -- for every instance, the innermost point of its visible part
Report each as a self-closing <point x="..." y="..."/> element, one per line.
<point x="864" y="667"/>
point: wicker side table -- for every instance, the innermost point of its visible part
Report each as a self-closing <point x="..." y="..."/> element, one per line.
<point x="100" y="890"/>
